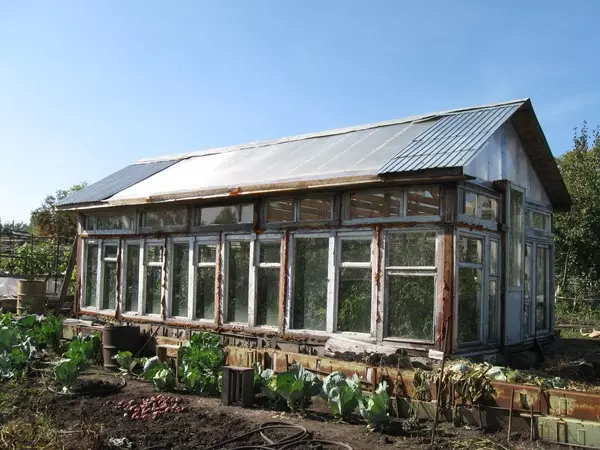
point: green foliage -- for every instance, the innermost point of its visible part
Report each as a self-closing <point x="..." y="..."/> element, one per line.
<point x="36" y="259"/>
<point x="577" y="232"/>
<point x="76" y="359"/>
<point x="202" y="363"/>
<point x="48" y="221"/>
<point x="21" y="340"/>
<point x="125" y="360"/>
<point x="343" y="394"/>
<point x="159" y="374"/>
<point x="296" y="386"/>
<point x="375" y="408"/>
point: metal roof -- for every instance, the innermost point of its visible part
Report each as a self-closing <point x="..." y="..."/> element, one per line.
<point x="452" y="142"/>
<point x="449" y="139"/>
<point x="106" y="187"/>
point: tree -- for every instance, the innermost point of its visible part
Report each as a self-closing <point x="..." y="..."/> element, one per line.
<point x="20" y="227"/>
<point x="578" y="231"/>
<point x="48" y="221"/>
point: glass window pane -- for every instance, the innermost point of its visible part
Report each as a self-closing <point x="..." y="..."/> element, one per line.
<point x="207" y="253"/>
<point x="356" y="250"/>
<point x="492" y="311"/>
<point x="488" y="207"/>
<point x="153" y="289"/>
<point x="247" y="214"/>
<point x="216" y="215"/>
<point x="180" y="279"/>
<point x="102" y="222"/>
<point x="540" y="221"/>
<point x="423" y="202"/>
<point x="469" y="203"/>
<point x="470" y="250"/>
<point x="314" y="209"/>
<point x="469" y="304"/>
<point x="410" y="307"/>
<point x="154" y="253"/>
<point x="109" y="286"/>
<point x="354" y="300"/>
<point x="373" y="205"/>
<point x="280" y="211"/>
<point x="526" y="319"/>
<point x="528" y="256"/>
<point x="269" y="252"/>
<point x="541" y="288"/>
<point x="166" y="218"/>
<point x="110" y="251"/>
<point x="238" y="266"/>
<point x="310" y="283"/>
<point x="267" y="300"/>
<point x="411" y="249"/>
<point x="205" y="293"/>
<point x="91" y="275"/>
<point x="515" y="238"/>
<point x="132" y="277"/>
<point x="493" y="257"/>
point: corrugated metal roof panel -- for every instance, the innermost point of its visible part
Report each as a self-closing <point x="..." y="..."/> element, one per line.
<point x="106" y="187"/>
<point x="452" y="141"/>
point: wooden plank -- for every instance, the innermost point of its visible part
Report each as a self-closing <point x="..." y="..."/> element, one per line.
<point x="68" y="273"/>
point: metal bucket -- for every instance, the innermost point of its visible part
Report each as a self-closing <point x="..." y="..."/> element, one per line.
<point x="31" y="297"/>
<point x="117" y="338"/>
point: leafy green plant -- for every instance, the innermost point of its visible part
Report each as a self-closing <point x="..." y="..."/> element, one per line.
<point x="76" y="359"/>
<point x="202" y="362"/>
<point x="375" y="408"/>
<point x="343" y="394"/>
<point x="297" y="386"/>
<point x="159" y="374"/>
<point x="125" y="361"/>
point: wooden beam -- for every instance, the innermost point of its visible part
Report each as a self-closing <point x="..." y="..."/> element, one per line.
<point x="65" y="285"/>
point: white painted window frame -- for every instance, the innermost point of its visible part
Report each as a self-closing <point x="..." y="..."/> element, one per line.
<point x="84" y="249"/>
<point x="170" y="272"/>
<point x="426" y="271"/>
<point x="236" y="237"/>
<point x="331" y="280"/>
<point x="124" y="244"/>
<point x="346" y="220"/>
<point x="212" y="239"/>
<point x="145" y="264"/>
<point x="364" y="235"/>
<point x="103" y="260"/>
<point x="255" y="265"/>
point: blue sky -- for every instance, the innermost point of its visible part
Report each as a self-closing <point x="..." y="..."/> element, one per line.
<point x="87" y="87"/>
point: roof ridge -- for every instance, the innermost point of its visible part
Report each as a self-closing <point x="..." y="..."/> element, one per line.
<point x="325" y="133"/>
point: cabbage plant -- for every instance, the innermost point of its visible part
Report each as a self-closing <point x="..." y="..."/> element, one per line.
<point x="343" y="393"/>
<point x="375" y="408"/>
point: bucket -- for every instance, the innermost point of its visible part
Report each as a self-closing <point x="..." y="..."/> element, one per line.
<point x="31" y="297"/>
<point x="118" y="338"/>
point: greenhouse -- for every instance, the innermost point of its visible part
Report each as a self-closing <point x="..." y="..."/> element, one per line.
<point x="394" y="234"/>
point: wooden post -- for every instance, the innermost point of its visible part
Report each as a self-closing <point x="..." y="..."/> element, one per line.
<point x="65" y="286"/>
<point x="438" y="394"/>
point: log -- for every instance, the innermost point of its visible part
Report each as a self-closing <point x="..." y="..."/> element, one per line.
<point x="341" y="344"/>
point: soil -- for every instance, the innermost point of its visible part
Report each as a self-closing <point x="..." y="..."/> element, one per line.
<point x="90" y="421"/>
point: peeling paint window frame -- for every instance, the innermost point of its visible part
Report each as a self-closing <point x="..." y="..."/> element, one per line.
<point x="330" y="286"/>
<point x="124" y="262"/>
<point x="547" y="218"/>
<point x="170" y="276"/>
<point x="144" y="228"/>
<point x="486" y="238"/>
<point x="145" y="264"/>
<point x="475" y="218"/>
<point x="239" y="211"/>
<point x="433" y="271"/>
<point x="227" y="239"/>
<point x="85" y="275"/>
<point x="131" y="216"/>
<point x="101" y="269"/>
<point x="255" y="269"/>
<point x="346" y="199"/>
<point x="366" y="235"/>
<point x="296" y="208"/>
<point x="212" y="239"/>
